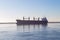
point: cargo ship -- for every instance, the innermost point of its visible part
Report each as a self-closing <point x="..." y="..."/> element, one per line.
<point x="43" y="21"/>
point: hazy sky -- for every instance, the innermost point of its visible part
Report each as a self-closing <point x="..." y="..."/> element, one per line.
<point x="10" y="10"/>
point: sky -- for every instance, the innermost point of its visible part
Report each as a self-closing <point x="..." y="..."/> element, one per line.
<point x="10" y="10"/>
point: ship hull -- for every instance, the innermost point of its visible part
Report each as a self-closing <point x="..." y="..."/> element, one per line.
<point x="19" y="22"/>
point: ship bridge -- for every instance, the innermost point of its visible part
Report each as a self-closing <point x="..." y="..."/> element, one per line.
<point x="44" y="19"/>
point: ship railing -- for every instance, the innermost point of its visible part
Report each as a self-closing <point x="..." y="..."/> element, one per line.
<point x="33" y="18"/>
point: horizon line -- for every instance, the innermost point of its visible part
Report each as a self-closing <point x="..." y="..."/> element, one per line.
<point x="16" y="22"/>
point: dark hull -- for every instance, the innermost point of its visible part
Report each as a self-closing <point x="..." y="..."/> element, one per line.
<point x="19" y="22"/>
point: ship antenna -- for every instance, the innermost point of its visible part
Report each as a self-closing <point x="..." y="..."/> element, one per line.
<point x="33" y="18"/>
<point x="38" y="18"/>
<point x="28" y="18"/>
<point x="23" y="18"/>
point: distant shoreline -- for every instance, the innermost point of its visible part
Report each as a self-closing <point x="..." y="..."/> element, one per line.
<point x="8" y="23"/>
<point x="53" y="22"/>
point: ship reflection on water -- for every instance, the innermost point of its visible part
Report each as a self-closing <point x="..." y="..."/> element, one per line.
<point x="31" y="28"/>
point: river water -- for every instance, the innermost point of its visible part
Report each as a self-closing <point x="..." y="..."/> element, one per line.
<point x="51" y="31"/>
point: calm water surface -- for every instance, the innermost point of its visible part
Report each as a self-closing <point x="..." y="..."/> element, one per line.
<point x="50" y="31"/>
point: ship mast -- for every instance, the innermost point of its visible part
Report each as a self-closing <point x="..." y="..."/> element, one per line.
<point x="23" y="18"/>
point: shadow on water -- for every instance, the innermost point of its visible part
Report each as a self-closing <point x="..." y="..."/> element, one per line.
<point x="30" y="28"/>
<point x="34" y="31"/>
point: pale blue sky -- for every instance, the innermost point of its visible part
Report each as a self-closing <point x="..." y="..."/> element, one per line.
<point x="10" y="10"/>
